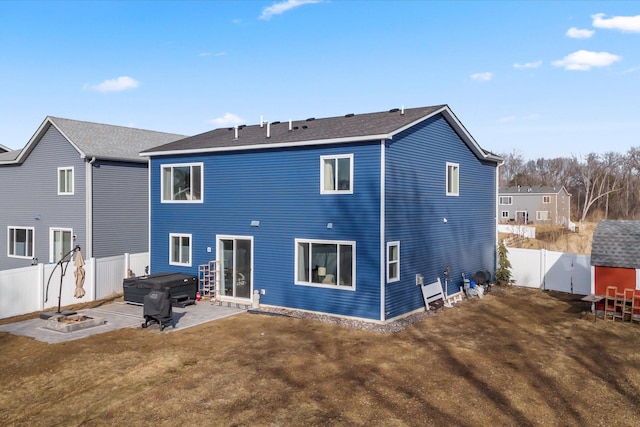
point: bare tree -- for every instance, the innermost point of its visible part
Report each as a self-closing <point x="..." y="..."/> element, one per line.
<point x="599" y="179"/>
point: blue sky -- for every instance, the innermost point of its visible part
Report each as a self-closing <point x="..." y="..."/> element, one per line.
<point x="538" y="78"/>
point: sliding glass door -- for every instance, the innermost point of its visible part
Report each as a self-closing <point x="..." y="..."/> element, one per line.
<point x="235" y="255"/>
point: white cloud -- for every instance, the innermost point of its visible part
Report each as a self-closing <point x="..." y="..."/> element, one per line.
<point x="228" y="119"/>
<point x="205" y="54"/>
<point x="284" y="6"/>
<point x="629" y="24"/>
<point x="507" y="119"/>
<point x="576" y="33"/>
<point x="584" y="60"/>
<point x="631" y="70"/>
<point x="535" y="64"/>
<point x="115" y="85"/>
<point x="482" y="77"/>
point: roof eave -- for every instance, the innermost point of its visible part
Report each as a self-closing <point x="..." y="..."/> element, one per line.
<point x="364" y="138"/>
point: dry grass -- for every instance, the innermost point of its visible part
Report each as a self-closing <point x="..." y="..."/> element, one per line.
<point x="559" y="239"/>
<point x="517" y="357"/>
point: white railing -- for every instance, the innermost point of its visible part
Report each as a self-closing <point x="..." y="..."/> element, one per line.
<point x="520" y="230"/>
<point x="24" y="290"/>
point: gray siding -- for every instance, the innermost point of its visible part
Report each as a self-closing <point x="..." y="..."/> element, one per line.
<point x="120" y="208"/>
<point x="558" y="208"/>
<point x="29" y="191"/>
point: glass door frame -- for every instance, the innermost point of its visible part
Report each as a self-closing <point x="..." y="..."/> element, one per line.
<point x="220" y="258"/>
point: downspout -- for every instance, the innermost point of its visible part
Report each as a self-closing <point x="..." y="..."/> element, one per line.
<point x="496" y="216"/>
<point x="148" y="270"/>
<point x="88" y="244"/>
<point x="383" y="315"/>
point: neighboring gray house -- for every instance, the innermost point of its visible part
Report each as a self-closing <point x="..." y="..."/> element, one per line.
<point x="534" y="205"/>
<point x="75" y="183"/>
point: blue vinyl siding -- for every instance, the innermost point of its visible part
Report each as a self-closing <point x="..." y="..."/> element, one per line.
<point x="281" y="189"/>
<point x="416" y="206"/>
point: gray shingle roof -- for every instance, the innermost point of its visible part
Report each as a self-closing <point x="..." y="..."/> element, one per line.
<point x="96" y="140"/>
<point x="616" y="244"/>
<point x="535" y="189"/>
<point x="348" y="128"/>
<point x="4" y="149"/>
<point x="109" y="141"/>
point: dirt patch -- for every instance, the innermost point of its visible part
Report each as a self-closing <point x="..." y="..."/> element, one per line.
<point x="557" y="239"/>
<point x="516" y="357"/>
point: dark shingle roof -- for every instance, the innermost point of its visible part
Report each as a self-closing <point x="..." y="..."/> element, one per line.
<point x="348" y="128"/>
<point x="615" y="244"/>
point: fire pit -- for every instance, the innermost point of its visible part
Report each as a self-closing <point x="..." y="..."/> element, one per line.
<point x="70" y="323"/>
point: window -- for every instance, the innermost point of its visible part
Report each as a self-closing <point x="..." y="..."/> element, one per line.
<point x="506" y="200"/>
<point x="546" y="199"/>
<point x="65" y="181"/>
<point x="20" y="242"/>
<point x="393" y="261"/>
<point x="61" y="241"/>
<point x="336" y="174"/>
<point x="542" y="215"/>
<point x="325" y="263"/>
<point x="182" y="183"/>
<point x="505" y="214"/>
<point x="453" y="179"/>
<point x="180" y="249"/>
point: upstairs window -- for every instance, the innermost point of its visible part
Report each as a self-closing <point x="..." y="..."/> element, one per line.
<point x="20" y="242"/>
<point x="546" y="199"/>
<point x="506" y="200"/>
<point x="336" y="174"/>
<point x="393" y="261"/>
<point x="453" y="179"/>
<point x="182" y="183"/>
<point x="65" y="181"/>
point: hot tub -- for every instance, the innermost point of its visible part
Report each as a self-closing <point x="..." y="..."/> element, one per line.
<point x="179" y="285"/>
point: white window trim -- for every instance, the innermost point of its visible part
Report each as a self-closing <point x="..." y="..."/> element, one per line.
<point x="51" y="231"/>
<point x="73" y="178"/>
<point x="33" y="243"/>
<point x="503" y="216"/>
<point x="546" y="199"/>
<point x="457" y="192"/>
<point x="351" y="168"/>
<point x="173" y="165"/>
<point x="538" y="216"/>
<point x="322" y="285"/>
<point x="180" y="235"/>
<point x="389" y="262"/>
<point x="505" y="197"/>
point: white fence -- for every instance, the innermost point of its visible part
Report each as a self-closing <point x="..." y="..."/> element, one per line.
<point x="24" y="290"/>
<point x="520" y="230"/>
<point x="548" y="270"/>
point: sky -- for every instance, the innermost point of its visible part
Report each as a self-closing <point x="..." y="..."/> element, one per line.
<point x="531" y="78"/>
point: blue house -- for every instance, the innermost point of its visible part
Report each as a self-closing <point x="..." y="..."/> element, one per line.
<point x="335" y="215"/>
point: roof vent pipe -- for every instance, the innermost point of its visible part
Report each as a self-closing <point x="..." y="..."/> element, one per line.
<point x="235" y="129"/>
<point x="261" y="121"/>
<point x="402" y="111"/>
<point x="290" y="125"/>
<point x="268" y="130"/>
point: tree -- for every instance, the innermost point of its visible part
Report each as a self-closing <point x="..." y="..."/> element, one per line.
<point x="599" y="179"/>
<point x="503" y="272"/>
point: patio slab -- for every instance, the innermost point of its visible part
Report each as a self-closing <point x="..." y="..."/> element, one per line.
<point x="120" y="315"/>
